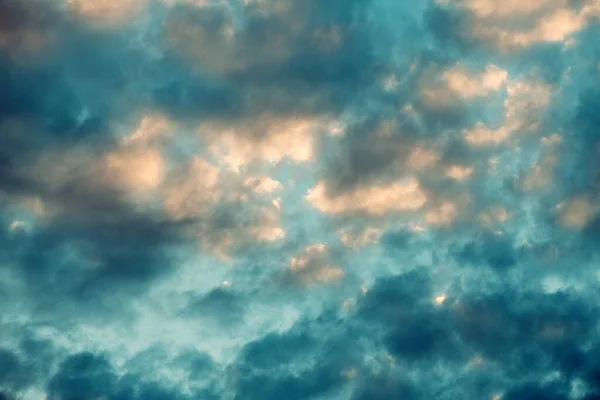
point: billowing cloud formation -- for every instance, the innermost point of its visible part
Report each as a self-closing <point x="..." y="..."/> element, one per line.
<point x="267" y="199"/>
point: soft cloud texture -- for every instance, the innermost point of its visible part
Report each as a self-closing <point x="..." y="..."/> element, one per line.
<point x="261" y="199"/>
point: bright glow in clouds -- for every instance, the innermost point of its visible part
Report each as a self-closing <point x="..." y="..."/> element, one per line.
<point x="509" y="8"/>
<point x="140" y="170"/>
<point x="189" y="196"/>
<point x="315" y="266"/>
<point x="421" y="158"/>
<point x="288" y="138"/>
<point x="439" y="300"/>
<point x="576" y="213"/>
<point x="459" y="173"/>
<point x="460" y="83"/>
<point x="106" y="13"/>
<point x="405" y="195"/>
<point x="445" y="214"/>
<point x="263" y="185"/>
<point x="491" y="80"/>
<point x="368" y="236"/>
<point x="545" y="20"/>
<point x="523" y="108"/>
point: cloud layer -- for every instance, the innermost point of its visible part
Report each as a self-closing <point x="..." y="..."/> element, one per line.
<point x="261" y="199"/>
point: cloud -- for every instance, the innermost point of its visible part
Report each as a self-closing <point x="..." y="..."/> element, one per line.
<point x="400" y="196"/>
<point x="523" y="109"/>
<point x="513" y="26"/>
<point x="267" y="199"/>
<point x="315" y="266"/>
<point x="457" y="83"/>
<point x="220" y="305"/>
<point x="106" y="13"/>
<point x="288" y="59"/>
<point x="576" y="213"/>
<point x="88" y="375"/>
<point x="26" y="33"/>
<point x="268" y="140"/>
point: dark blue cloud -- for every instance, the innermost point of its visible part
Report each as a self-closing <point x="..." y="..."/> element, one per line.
<point x="491" y="250"/>
<point x="219" y="305"/>
<point x="88" y="376"/>
<point x="82" y="375"/>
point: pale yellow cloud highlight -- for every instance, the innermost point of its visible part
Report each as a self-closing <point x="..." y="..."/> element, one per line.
<point x="150" y="128"/>
<point x="493" y="215"/>
<point x="526" y="99"/>
<point x="458" y="83"/>
<point x="446" y="214"/>
<point x="204" y="186"/>
<point x="263" y="185"/>
<point x="576" y="213"/>
<point x="523" y="109"/>
<point x="138" y="164"/>
<point x="540" y="174"/>
<point x="197" y="3"/>
<point x="36" y="205"/>
<point x="422" y="158"/>
<point x="280" y="139"/>
<point x="106" y="13"/>
<point x="268" y="226"/>
<point x="366" y="237"/>
<point x="315" y="266"/>
<point x="459" y="173"/>
<point x="482" y="84"/>
<point x="16" y="225"/>
<point x="404" y="195"/>
<point x="191" y="195"/>
<point x="481" y="135"/>
<point x="506" y="9"/>
<point x="441" y="299"/>
<point x="137" y="170"/>
<point x="541" y="20"/>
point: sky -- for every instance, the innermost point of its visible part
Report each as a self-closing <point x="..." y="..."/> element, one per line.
<point x="299" y="199"/>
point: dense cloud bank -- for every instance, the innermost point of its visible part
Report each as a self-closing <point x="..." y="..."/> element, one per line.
<point x="266" y="199"/>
